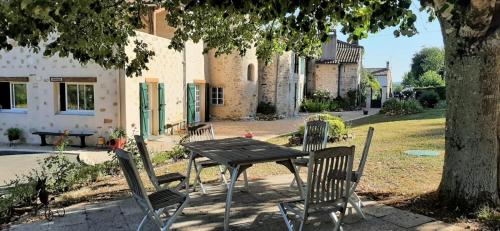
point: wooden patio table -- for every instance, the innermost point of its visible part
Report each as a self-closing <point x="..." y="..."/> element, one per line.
<point x="238" y="154"/>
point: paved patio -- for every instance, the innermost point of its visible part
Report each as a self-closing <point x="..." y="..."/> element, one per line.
<point x="253" y="210"/>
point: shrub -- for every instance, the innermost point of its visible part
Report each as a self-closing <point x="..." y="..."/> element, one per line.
<point x="118" y="133"/>
<point x="266" y="108"/>
<point x="412" y="107"/>
<point x="321" y="95"/>
<point x="311" y="105"/>
<point x="14" y="133"/>
<point x="441" y="104"/>
<point x="60" y="172"/>
<point x="429" y="99"/>
<point x="397" y="107"/>
<point x="336" y="126"/>
<point x="391" y="106"/>
<point x="178" y="152"/>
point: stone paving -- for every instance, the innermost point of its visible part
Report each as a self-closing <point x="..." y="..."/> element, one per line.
<point x="253" y="210"/>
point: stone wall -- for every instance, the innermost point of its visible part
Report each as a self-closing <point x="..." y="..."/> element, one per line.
<point x="278" y="84"/>
<point x="240" y="94"/>
<point x="350" y="78"/>
<point x="43" y="100"/>
<point x="326" y="78"/>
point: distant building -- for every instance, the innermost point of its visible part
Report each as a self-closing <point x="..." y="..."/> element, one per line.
<point x="384" y="77"/>
<point x="338" y="70"/>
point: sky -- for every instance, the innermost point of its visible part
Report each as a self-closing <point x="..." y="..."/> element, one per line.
<point x="383" y="46"/>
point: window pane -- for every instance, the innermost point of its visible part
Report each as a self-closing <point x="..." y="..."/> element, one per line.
<point x="214" y="101"/>
<point x="81" y="97"/>
<point x="72" y="97"/>
<point x="20" y="96"/>
<point x="89" y="96"/>
<point x="220" y="101"/>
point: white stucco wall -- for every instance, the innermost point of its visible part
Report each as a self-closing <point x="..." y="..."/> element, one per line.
<point x="43" y="103"/>
<point x="167" y="67"/>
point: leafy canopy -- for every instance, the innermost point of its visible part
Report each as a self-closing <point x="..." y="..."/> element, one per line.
<point x="428" y="62"/>
<point x="89" y="30"/>
<point x="274" y="26"/>
<point x="99" y="30"/>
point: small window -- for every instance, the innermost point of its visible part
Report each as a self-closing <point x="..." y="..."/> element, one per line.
<point x="217" y="95"/>
<point x="296" y="63"/>
<point x="77" y="97"/>
<point x="250" y="72"/>
<point x="14" y="96"/>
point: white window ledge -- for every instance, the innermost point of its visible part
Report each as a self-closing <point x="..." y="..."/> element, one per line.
<point x="77" y="113"/>
<point x="14" y="111"/>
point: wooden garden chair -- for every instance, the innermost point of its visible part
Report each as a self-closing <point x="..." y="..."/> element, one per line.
<point x="328" y="187"/>
<point x="154" y="204"/>
<point x="354" y="199"/>
<point x="315" y="138"/>
<point x="202" y="133"/>
<point x="156" y="180"/>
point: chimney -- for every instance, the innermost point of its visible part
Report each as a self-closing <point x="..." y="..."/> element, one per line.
<point x="387" y="64"/>
<point x="329" y="48"/>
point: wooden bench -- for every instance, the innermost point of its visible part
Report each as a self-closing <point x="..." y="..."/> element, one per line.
<point x="43" y="135"/>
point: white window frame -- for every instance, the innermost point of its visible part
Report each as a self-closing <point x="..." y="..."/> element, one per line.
<point x="217" y="94"/>
<point x="82" y="112"/>
<point x="12" y="95"/>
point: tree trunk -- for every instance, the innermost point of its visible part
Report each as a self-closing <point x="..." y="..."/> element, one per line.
<point x="472" y="160"/>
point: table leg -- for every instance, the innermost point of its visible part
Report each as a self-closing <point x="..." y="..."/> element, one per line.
<point x="82" y="142"/>
<point x="234" y="178"/>
<point x="188" y="173"/>
<point x="43" y="140"/>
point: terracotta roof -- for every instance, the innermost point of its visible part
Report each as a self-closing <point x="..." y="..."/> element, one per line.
<point x="346" y="53"/>
<point x="377" y="71"/>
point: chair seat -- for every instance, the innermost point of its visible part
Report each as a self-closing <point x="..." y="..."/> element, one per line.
<point x="165" y="198"/>
<point x="207" y="163"/>
<point x="170" y="177"/>
<point x="302" y="162"/>
<point x="298" y="205"/>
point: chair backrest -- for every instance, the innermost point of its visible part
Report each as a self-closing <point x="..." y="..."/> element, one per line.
<point x="133" y="179"/>
<point x="201" y="133"/>
<point x="364" y="155"/>
<point x="146" y="161"/>
<point x="315" y="135"/>
<point x="327" y="180"/>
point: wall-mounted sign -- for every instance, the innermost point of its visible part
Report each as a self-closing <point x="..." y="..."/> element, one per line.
<point x="56" y="79"/>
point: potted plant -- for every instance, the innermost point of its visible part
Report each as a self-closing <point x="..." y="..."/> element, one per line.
<point x="118" y="138"/>
<point x="14" y="134"/>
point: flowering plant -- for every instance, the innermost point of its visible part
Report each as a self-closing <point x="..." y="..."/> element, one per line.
<point x="62" y="141"/>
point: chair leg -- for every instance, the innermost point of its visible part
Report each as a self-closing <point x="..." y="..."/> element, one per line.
<point x="245" y="177"/>
<point x="198" y="178"/>
<point x="222" y="170"/>
<point x="336" y="221"/>
<point x="288" y="223"/>
<point x="294" y="181"/>
<point x="356" y="203"/>
<point x="139" y="228"/>
<point x="178" y="211"/>
<point x="195" y="178"/>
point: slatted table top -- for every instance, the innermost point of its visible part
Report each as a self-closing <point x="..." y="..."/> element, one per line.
<point x="240" y="151"/>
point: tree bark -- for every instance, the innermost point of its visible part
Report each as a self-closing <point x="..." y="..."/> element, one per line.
<point x="472" y="160"/>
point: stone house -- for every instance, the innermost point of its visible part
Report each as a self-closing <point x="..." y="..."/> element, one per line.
<point x="384" y="77"/>
<point x="54" y="94"/>
<point x="338" y="70"/>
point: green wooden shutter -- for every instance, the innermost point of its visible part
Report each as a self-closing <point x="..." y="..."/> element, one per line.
<point x="190" y="103"/>
<point x="144" y="109"/>
<point x="161" y="107"/>
<point x="207" y="102"/>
